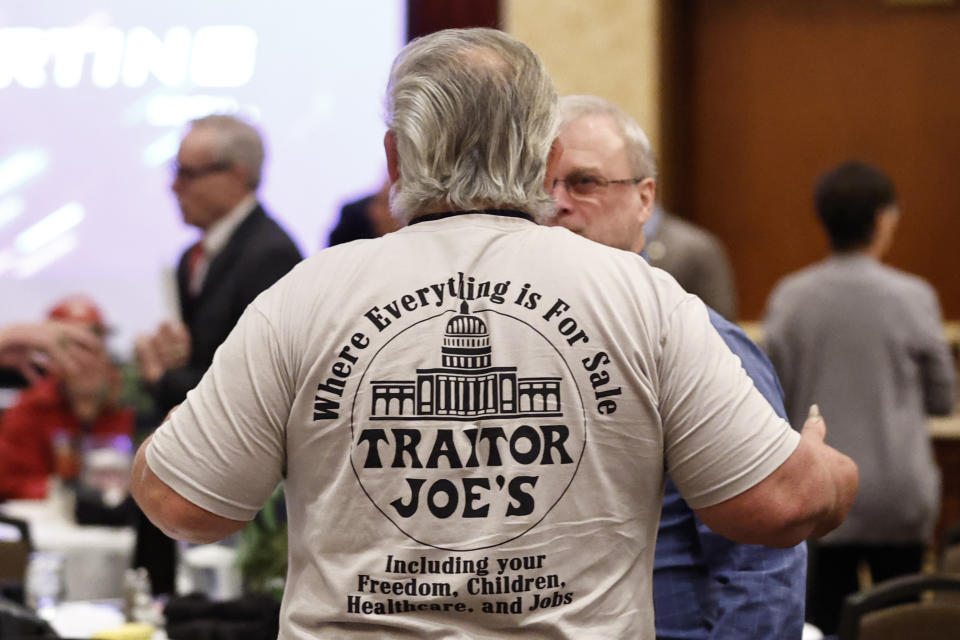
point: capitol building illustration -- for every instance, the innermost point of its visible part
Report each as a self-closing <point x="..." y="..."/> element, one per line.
<point x="466" y="386"/>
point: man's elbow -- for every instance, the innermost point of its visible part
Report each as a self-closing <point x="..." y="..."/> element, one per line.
<point x="809" y="495"/>
<point x="781" y="525"/>
<point x="941" y="404"/>
<point x="183" y="522"/>
<point x="818" y="502"/>
<point x="173" y="514"/>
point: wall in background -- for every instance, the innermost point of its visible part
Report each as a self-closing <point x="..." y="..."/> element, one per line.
<point x="610" y="48"/>
<point x="776" y="92"/>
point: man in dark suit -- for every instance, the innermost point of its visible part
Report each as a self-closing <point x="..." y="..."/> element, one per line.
<point x="242" y="252"/>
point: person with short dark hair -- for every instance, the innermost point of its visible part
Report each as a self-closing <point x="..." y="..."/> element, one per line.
<point x="865" y="342"/>
<point x="849" y="200"/>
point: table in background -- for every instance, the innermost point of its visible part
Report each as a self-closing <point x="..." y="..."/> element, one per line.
<point x="946" y="448"/>
<point x="95" y="557"/>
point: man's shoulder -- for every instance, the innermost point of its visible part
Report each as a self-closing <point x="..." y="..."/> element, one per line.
<point x="873" y="284"/>
<point x="887" y="282"/>
<point x="799" y="281"/>
<point x="262" y="220"/>
<point x="908" y="284"/>
<point x="676" y="229"/>
<point x="263" y="233"/>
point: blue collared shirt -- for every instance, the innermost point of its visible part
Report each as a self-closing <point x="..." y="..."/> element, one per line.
<point x="708" y="587"/>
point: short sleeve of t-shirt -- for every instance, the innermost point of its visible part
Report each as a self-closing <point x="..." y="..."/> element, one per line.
<point x="721" y="436"/>
<point x="230" y="427"/>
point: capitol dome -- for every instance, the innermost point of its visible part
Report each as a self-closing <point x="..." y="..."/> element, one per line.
<point x="466" y="342"/>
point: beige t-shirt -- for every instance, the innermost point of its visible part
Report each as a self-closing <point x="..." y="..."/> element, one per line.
<point x="473" y="415"/>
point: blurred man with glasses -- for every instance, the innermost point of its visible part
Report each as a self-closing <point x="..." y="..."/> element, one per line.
<point x="241" y="252"/>
<point x="704" y="585"/>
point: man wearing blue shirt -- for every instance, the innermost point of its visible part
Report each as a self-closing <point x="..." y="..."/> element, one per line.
<point x="705" y="586"/>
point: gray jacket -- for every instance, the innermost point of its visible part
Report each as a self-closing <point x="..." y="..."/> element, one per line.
<point x="865" y="342"/>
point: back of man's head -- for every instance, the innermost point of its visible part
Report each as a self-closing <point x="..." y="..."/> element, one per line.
<point x="237" y="143"/>
<point x="643" y="162"/>
<point x="473" y="114"/>
<point x="848" y="199"/>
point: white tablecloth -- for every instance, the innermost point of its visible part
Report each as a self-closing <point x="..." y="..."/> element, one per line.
<point x="95" y="558"/>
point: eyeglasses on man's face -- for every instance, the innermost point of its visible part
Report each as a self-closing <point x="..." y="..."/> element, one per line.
<point x="184" y="172"/>
<point x="583" y="185"/>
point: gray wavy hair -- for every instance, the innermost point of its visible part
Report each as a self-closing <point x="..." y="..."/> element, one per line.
<point x="643" y="162"/>
<point x="474" y="113"/>
<point x="237" y="142"/>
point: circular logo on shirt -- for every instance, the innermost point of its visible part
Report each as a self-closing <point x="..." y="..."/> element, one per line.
<point x="468" y="427"/>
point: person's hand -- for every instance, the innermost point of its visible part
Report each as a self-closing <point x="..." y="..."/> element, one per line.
<point x="168" y="348"/>
<point x="172" y="345"/>
<point x="55" y="346"/>
<point x="148" y="360"/>
<point x="844" y="470"/>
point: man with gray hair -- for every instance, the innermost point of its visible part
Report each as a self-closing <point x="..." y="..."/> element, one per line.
<point x="471" y="415"/>
<point x="242" y="251"/>
<point x="704" y="585"/>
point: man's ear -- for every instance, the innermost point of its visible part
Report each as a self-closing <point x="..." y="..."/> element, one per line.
<point x="648" y="196"/>
<point x="884" y="229"/>
<point x="553" y="163"/>
<point x="242" y="173"/>
<point x="393" y="164"/>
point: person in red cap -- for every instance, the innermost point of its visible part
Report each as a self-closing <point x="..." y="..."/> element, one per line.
<point x="43" y="433"/>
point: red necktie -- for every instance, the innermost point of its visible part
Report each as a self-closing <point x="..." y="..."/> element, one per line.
<point x="195" y="260"/>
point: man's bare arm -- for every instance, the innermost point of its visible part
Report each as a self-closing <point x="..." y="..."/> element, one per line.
<point x="172" y="513"/>
<point x="808" y="495"/>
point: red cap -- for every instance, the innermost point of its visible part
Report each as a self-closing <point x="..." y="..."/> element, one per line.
<point x="78" y="309"/>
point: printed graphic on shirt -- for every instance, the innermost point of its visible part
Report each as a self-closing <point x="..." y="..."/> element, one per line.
<point x="503" y="585"/>
<point x="456" y="441"/>
<point x="466" y="398"/>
